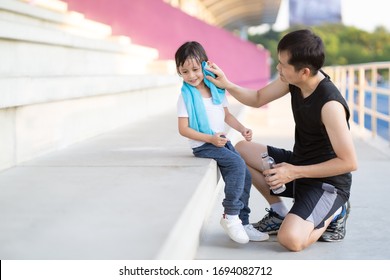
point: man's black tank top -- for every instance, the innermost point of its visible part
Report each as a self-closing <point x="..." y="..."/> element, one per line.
<point x="312" y="144"/>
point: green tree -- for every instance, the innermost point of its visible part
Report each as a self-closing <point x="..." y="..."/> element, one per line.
<point x="343" y="44"/>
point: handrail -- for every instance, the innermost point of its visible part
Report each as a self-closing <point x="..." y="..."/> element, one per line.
<point x="370" y="101"/>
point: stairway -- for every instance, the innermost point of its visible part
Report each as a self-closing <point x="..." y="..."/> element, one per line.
<point x="60" y="73"/>
<point x="91" y="163"/>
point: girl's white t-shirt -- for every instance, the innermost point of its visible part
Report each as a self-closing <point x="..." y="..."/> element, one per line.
<point x="215" y="115"/>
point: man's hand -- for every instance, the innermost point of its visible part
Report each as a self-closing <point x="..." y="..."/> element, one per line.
<point x="220" y="80"/>
<point x="280" y="174"/>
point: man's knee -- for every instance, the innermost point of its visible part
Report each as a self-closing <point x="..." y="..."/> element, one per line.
<point x="291" y="241"/>
<point x="240" y="145"/>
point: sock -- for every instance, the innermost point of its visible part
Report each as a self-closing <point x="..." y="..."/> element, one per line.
<point x="230" y="217"/>
<point x="280" y="208"/>
<point x="337" y="214"/>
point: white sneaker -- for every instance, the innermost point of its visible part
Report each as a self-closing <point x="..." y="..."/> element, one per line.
<point x="235" y="230"/>
<point x="254" y="234"/>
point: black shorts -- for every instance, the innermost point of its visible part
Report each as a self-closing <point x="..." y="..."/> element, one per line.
<point x="314" y="202"/>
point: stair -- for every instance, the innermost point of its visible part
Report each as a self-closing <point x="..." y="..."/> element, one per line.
<point x="91" y="163"/>
<point x="59" y="67"/>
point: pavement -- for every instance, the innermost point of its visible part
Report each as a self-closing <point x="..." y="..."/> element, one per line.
<point x="368" y="230"/>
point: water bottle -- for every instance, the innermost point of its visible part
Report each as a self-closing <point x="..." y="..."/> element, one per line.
<point x="268" y="162"/>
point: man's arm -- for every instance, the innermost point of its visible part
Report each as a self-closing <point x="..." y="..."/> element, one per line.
<point x="250" y="97"/>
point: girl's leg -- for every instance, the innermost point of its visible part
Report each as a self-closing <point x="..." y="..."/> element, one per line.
<point x="244" y="213"/>
<point x="233" y="171"/>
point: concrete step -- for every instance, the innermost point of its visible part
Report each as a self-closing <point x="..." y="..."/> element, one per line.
<point x="41" y="127"/>
<point x="136" y="192"/>
<point x="123" y="195"/>
<point x="51" y="14"/>
<point x="54" y="5"/>
<point x="21" y="91"/>
<point x="24" y="47"/>
<point x="31" y="36"/>
<point x="56" y="83"/>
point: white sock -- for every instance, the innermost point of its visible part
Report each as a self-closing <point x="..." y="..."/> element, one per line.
<point x="280" y="208"/>
<point x="337" y="213"/>
<point x="231" y="217"/>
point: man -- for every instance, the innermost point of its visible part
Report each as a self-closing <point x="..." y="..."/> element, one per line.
<point x="317" y="173"/>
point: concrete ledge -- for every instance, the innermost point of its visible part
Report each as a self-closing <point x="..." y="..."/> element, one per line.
<point x="183" y="239"/>
<point x="44" y="16"/>
<point x="23" y="91"/>
<point x="27" y="59"/>
<point x="32" y="130"/>
<point x="54" y="5"/>
<point x="123" y="195"/>
<point x="22" y="32"/>
<point x="136" y="192"/>
<point x="56" y="86"/>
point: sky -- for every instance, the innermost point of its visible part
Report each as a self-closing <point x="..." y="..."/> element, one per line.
<point x="363" y="14"/>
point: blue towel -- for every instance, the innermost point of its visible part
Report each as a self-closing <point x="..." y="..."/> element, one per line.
<point x="194" y="103"/>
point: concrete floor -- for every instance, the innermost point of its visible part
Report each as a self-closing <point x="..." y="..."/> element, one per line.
<point x="368" y="230"/>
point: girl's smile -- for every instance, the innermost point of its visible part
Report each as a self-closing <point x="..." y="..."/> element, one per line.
<point x="192" y="73"/>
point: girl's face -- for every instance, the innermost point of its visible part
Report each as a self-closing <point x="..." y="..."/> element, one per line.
<point x="192" y="73"/>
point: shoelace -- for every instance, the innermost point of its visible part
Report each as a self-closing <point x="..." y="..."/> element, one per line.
<point x="268" y="216"/>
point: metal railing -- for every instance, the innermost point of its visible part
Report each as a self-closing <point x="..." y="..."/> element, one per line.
<point x="366" y="88"/>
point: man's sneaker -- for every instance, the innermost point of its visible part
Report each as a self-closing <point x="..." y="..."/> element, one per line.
<point x="254" y="234"/>
<point x="337" y="229"/>
<point x="235" y="230"/>
<point x="270" y="223"/>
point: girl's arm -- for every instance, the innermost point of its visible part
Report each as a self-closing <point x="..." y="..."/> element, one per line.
<point x="237" y="125"/>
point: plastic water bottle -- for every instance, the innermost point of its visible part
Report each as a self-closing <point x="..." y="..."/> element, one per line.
<point x="268" y="163"/>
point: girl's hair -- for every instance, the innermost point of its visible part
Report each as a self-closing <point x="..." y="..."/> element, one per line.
<point x="306" y="49"/>
<point x="192" y="50"/>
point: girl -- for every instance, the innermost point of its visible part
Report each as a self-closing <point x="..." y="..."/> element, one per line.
<point x="202" y="113"/>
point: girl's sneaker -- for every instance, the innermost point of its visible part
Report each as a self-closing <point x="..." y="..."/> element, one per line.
<point x="235" y="229"/>
<point x="254" y="234"/>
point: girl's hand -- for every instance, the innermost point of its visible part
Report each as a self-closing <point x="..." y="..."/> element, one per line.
<point x="219" y="139"/>
<point x="247" y="134"/>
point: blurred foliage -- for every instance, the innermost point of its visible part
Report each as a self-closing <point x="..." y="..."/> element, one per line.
<point x="343" y="44"/>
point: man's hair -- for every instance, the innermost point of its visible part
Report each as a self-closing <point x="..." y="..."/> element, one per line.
<point x="306" y="49"/>
<point x="192" y="50"/>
